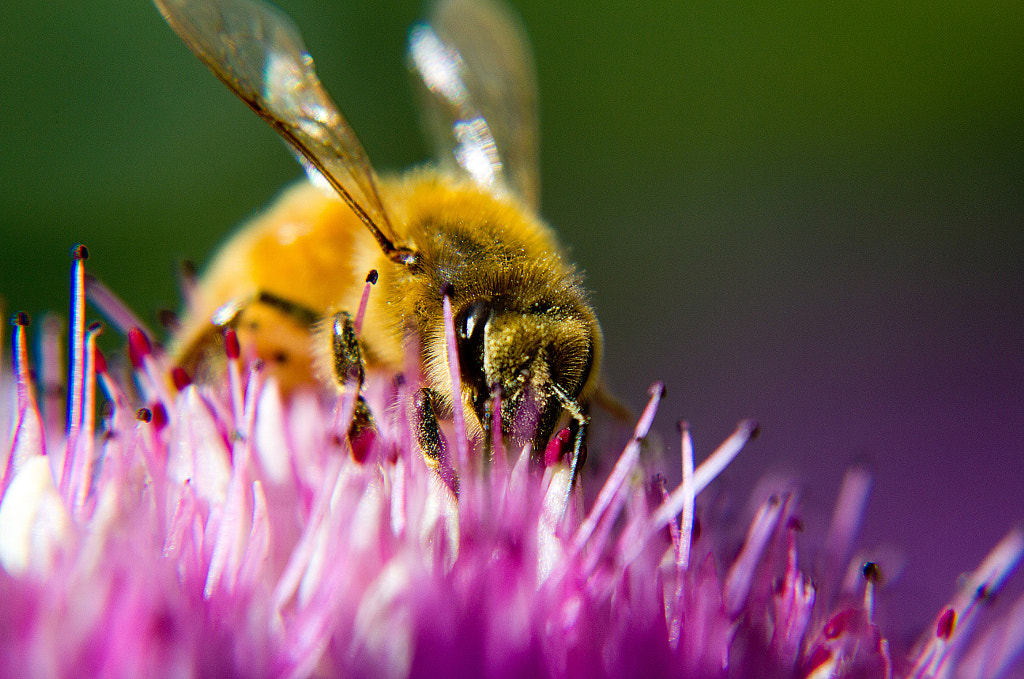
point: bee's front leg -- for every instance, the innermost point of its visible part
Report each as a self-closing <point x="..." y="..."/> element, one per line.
<point x="428" y="431"/>
<point x="348" y="372"/>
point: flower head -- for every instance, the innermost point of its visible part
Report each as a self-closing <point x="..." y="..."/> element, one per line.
<point x="222" y="531"/>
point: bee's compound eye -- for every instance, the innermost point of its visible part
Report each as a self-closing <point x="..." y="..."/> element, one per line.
<point x="471" y="321"/>
<point x="470" y="325"/>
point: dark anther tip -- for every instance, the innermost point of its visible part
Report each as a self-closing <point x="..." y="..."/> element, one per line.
<point x="80" y="252"/>
<point x="871" y="571"/>
<point x="371" y="277"/>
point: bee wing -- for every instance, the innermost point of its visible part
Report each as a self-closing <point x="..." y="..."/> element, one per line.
<point x="481" y="96"/>
<point x="257" y="51"/>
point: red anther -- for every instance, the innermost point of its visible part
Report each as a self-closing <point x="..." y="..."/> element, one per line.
<point x="946" y="624"/>
<point x="558" y="447"/>
<point x="101" y="363"/>
<point x="21" y="319"/>
<point x="840" y="623"/>
<point x="138" y="347"/>
<point x="180" y="377"/>
<point x="819" y="656"/>
<point x="144" y="415"/>
<point x="362" y="444"/>
<point x="794" y="523"/>
<point x="231" y="346"/>
<point x="159" y="416"/>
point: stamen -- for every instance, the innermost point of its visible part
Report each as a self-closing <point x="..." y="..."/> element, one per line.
<point x="946" y="624"/>
<point x="28" y="439"/>
<point x="140" y="352"/>
<point x="180" y="378"/>
<point x="846" y="520"/>
<point x="710" y="468"/>
<point x="623" y="468"/>
<point x="674" y="602"/>
<point x="111" y="387"/>
<point x="110" y="305"/>
<point x="52" y="372"/>
<point x="81" y="473"/>
<point x="25" y="393"/>
<point x="252" y="392"/>
<point x="689" y="494"/>
<point x="738" y="580"/>
<point x="558" y="447"/>
<point x="986" y="579"/>
<point x="458" y="417"/>
<point x="80" y="253"/>
<point x="138" y="347"/>
<point x="872" y="576"/>
<point x="794" y="603"/>
<point x="159" y="418"/>
<point x="371" y="280"/>
<point x="703" y="475"/>
<point x="234" y="351"/>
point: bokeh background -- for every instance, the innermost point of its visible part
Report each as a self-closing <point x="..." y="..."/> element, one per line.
<point x="806" y="213"/>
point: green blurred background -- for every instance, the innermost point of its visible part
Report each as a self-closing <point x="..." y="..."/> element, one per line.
<point x="806" y="213"/>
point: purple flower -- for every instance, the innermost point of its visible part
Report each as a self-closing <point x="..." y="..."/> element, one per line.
<point x="220" y="531"/>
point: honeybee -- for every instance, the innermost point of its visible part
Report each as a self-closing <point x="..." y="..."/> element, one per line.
<point x="291" y="279"/>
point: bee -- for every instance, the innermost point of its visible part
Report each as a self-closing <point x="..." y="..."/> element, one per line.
<point x="290" y="280"/>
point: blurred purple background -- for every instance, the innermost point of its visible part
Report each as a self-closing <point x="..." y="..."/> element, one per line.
<point x="875" y="323"/>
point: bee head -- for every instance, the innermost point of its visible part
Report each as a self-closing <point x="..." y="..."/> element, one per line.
<point x="540" y="359"/>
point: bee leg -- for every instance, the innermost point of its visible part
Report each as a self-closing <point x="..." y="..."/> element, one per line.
<point x="346" y="356"/>
<point x="488" y="426"/>
<point x="428" y="431"/>
<point x="228" y="315"/>
<point x="348" y="371"/>
<point x="362" y="432"/>
<point x="578" y="428"/>
<point x="430" y="439"/>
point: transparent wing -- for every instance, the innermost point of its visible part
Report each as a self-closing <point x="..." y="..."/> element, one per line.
<point x="257" y="51"/>
<point x="481" y="103"/>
